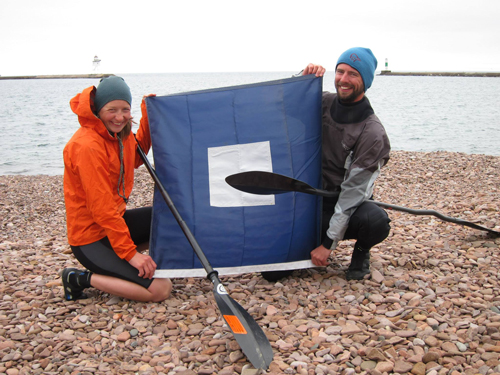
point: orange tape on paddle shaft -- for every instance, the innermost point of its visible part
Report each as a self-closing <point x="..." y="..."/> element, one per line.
<point x="235" y="324"/>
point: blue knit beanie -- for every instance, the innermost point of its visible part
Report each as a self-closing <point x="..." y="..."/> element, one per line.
<point x="363" y="60"/>
<point x="109" y="89"/>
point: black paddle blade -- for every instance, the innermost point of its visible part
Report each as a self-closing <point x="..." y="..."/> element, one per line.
<point x="252" y="340"/>
<point x="263" y="183"/>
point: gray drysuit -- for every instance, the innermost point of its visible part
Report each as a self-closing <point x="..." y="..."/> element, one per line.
<point x="355" y="147"/>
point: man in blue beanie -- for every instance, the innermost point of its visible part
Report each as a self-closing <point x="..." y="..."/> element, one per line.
<point x="355" y="148"/>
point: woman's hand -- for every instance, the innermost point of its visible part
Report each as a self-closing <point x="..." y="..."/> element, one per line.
<point x="145" y="264"/>
<point x="147" y="96"/>
<point x="144" y="111"/>
<point x="318" y="70"/>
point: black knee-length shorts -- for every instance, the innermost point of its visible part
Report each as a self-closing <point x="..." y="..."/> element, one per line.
<point x="100" y="258"/>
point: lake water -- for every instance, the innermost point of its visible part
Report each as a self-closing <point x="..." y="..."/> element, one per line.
<point x="460" y="114"/>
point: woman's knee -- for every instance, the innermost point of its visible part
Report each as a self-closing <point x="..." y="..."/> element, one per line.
<point x="160" y="289"/>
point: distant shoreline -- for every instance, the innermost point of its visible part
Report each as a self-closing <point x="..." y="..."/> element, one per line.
<point x="58" y="76"/>
<point x="382" y="73"/>
<point x="440" y="74"/>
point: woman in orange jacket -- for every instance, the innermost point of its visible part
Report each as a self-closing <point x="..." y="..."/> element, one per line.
<point x="99" y="163"/>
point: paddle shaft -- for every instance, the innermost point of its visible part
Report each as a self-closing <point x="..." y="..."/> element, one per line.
<point x="211" y="273"/>
<point x="325" y="193"/>
<point x="252" y="340"/>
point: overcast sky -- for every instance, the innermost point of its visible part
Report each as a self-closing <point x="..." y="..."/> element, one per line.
<point x="161" y="36"/>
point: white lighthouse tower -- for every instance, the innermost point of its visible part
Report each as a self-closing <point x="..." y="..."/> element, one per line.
<point x="95" y="64"/>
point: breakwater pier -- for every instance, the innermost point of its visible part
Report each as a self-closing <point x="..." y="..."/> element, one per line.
<point x="440" y="74"/>
<point x="58" y="76"/>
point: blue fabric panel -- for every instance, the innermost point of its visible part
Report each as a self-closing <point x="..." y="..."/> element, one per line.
<point x="287" y="113"/>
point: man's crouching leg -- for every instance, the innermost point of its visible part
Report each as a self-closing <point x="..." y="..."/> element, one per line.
<point x="369" y="225"/>
<point x="360" y="264"/>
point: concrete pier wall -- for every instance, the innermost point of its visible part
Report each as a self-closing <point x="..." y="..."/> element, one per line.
<point x="440" y="74"/>
<point x="59" y="76"/>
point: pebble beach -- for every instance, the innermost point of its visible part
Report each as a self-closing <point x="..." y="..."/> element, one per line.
<point x="430" y="306"/>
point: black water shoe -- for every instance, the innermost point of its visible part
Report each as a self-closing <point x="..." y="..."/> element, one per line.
<point x="72" y="292"/>
<point x="360" y="264"/>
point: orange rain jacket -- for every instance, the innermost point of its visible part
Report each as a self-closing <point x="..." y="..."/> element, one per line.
<point x="94" y="209"/>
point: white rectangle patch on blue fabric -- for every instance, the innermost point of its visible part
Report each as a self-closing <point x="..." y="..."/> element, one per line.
<point x="224" y="161"/>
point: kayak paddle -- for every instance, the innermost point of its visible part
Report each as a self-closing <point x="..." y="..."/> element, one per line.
<point x="252" y="340"/>
<point x="258" y="182"/>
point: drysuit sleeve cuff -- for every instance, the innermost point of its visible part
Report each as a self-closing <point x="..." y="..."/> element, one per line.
<point x="329" y="243"/>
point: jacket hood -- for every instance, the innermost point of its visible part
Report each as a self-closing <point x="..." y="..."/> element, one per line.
<point x="81" y="106"/>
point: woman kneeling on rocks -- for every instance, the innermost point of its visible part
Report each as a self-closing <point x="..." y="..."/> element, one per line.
<point x="99" y="162"/>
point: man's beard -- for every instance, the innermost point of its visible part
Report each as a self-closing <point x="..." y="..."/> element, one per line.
<point x="350" y="98"/>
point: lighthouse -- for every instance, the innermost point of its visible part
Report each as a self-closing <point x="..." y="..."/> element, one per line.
<point x="386" y="67"/>
<point x="95" y="63"/>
